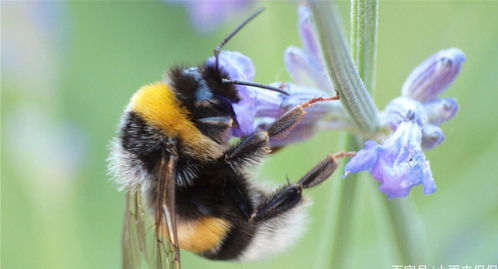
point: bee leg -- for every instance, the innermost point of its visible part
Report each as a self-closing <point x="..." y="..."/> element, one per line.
<point x="249" y="150"/>
<point x="319" y="173"/>
<point x="292" y="117"/>
<point x="256" y="146"/>
<point x="289" y="196"/>
<point x="281" y="201"/>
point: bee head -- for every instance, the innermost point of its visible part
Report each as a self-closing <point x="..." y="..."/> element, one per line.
<point x="201" y="91"/>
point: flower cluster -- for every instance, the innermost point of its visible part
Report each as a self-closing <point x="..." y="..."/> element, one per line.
<point x="414" y="118"/>
<point x="259" y="108"/>
<point x="397" y="161"/>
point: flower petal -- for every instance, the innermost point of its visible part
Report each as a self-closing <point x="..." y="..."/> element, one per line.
<point x="434" y="75"/>
<point x="404" y="109"/>
<point x="364" y="159"/>
<point x="308" y="34"/>
<point x="398" y="164"/>
<point x="240" y="67"/>
<point x="298" y="66"/>
<point x="269" y="106"/>
<point x="299" y="133"/>
<point x="441" y="110"/>
<point x="306" y="65"/>
<point x="393" y="180"/>
<point x="432" y="136"/>
<point x="429" y="186"/>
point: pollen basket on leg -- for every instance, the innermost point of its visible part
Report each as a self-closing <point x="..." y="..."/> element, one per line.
<point x="158" y="105"/>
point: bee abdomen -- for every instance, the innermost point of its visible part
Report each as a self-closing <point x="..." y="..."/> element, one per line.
<point x="204" y="234"/>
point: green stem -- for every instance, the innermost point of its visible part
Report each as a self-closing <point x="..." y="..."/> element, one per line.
<point x="408" y="230"/>
<point x="337" y="219"/>
<point x="346" y="192"/>
<point x="359" y="104"/>
<point x="354" y="96"/>
<point x="364" y="24"/>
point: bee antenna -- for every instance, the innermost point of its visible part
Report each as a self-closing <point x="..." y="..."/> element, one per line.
<point x="232" y="34"/>
<point x="253" y="84"/>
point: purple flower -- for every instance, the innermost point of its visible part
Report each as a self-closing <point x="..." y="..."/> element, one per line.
<point x="206" y="15"/>
<point x="310" y="79"/>
<point x="305" y="65"/>
<point x="398" y="163"/>
<point x="240" y="67"/>
<point x="403" y="109"/>
<point x="432" y="136"/>
<point x="259" y="108"/>
<point x="441" y="110"/>
<point x="433" y="75"/>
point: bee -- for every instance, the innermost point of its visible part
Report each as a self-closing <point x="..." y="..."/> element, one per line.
<point x="188" y="188"/>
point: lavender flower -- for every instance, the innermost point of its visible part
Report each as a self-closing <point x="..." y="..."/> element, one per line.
<point x="207" y="15"/>
<point x="399" y="162"/>
<point x="258" y="108"/>
<point x="305" y="66"/>
<point x="433" y="75"/>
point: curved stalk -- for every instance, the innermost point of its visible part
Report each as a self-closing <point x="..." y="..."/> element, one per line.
<point x="354" y="96"/>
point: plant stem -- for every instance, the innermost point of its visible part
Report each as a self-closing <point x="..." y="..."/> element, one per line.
<point x="408" y="230"/>
<point x="337" y="219"/>
<point x="354" y="97"/>
<point x="344" y="219"/>
<point x="364" y="24"/>
<point x="357" y="101"/>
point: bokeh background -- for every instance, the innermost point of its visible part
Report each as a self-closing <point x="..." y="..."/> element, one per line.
<point x="69" y="68"/>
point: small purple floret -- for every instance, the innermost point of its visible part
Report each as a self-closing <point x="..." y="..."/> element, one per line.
<point x="441" y="110"/>
<point x="402" y="109"/>
<point x="258" y="108"/>
<point x="432" y="136"/>
<point x="398" y="164"/>
<point x="434" y="75"/>
<point x="240" y="67"/>
<point x="305" y="65"/>
<point x="414" y="118"/>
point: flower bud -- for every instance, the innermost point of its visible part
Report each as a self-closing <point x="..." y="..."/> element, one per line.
<point x="434" y="75"/>
<point x="441" y="110"/>
<point x="432" y="136"/>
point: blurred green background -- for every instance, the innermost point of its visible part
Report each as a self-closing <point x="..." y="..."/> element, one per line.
<point x="69" y="69"/>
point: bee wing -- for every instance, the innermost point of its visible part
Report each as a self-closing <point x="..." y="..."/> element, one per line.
<point x="134" y="232"/>
<point x="153" y="236"/>
<point x="167" y="253"/>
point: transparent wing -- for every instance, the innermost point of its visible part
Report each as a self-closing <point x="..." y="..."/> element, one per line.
<point x="153" y="237"/>
<point x="134" y="232"/>
<point x="166" y="238"/>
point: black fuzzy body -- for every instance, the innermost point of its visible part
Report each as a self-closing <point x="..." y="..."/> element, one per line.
<point x="219" y="186"/>
<point x="213" y="188"/>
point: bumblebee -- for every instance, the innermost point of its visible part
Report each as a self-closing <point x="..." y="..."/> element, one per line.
<point x="188" y="188"/>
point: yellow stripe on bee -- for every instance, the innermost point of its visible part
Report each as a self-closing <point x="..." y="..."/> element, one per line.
<point x="202" y="235"/>
<point x="158" y="105"/>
